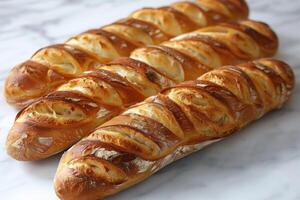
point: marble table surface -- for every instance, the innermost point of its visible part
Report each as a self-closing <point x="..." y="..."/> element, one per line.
<point x="260" y="162"/>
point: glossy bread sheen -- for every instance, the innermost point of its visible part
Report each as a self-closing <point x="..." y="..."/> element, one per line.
<point x="51" y="66"/>
<point x="178" y="121"/>
<point x="55" y="122"/>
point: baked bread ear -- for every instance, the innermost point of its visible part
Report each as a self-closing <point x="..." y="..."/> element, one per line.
<point x="54" y="65"/>
<point x="58" y="120"/>
<point x="166" y="127"/>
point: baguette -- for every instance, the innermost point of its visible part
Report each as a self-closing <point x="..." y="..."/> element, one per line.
<point x="63" y="117"/>
<point x="54" y="65"/>
<point x="178" y="121"/>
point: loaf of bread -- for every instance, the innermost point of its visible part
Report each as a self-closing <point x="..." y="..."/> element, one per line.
<point x="52" y="66"/>
<point x="63" y="117"/>
<point x="178" y="121"/>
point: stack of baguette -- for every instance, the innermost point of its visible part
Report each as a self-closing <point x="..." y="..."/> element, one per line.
<point x="87" y="89"/>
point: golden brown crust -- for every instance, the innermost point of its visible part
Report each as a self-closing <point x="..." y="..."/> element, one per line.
<point x="147" y="26"/>
<point x="112" y="87"/>
<point x="208" y="109"/>
<point x="26" y="77"/>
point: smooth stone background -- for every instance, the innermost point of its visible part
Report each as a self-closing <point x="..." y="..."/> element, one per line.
<point x="260" y="162"/>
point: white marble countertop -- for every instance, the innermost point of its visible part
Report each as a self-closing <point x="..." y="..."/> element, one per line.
<point x="260" y="162"/>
